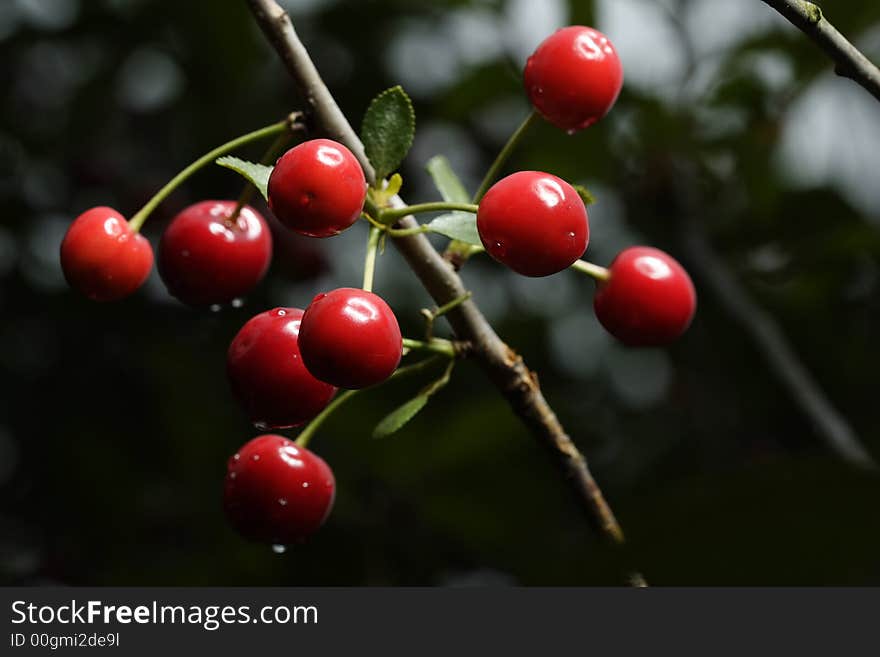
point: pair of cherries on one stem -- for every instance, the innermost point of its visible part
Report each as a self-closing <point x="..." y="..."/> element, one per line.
<point x="285" y="364"/>
<point x="205" y="256"/>
<point x="536" y="224"/>
<point x="280" y="366"/>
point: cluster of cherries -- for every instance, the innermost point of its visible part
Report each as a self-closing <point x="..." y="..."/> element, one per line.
<point x="285" y="364"/>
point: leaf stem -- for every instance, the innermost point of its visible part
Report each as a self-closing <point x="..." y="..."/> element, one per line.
<point x="370" y="260"/>
<point x="140" y="217"/>
<point x="601" y="274"/>
<point x="390" y="215"/>
<point x="511" y="144"/>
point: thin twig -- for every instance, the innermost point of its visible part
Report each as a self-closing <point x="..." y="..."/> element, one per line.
<point x="769" y="339"/>
<point x="849" y="60"/>
<point x="504" y="367"/>
<point x="758" y="324"/>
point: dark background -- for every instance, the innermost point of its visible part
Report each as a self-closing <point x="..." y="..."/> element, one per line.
<point x="116" y="420"/>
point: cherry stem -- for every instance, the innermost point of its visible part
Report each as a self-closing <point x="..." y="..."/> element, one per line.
<point x="140" y="217"/>
<point x="390" y="215"/>
<point x="247" y="192"/>
<point x="508" y="148"/>
<point x="459" y="252"/>
<point x="302" y="440"/>
<point x="370" y="260"/>
<point x="434" y="345"/>
<point x="601" y="274"/>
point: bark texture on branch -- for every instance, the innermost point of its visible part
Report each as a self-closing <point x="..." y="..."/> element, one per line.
<point x="849" y="60"/>
<point x="504" y="367"/>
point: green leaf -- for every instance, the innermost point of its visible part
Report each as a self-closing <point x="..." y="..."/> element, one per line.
<point x="585" y="194"/>
<point x="403" y="414"/>
<point x="380" y="197"/>
<point x="447" y="183"/>
<point x="461" y="226"/>
<point x="393" y="422"/>
<point x="394" y="185"/>
<point x="388" y="129"/>
<point x="257" y="174"/>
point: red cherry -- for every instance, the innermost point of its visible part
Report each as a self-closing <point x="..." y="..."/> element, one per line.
<point x="102" y="257"/>
<point x="350" y="338"/>
<point x="267" y="373"/>
<point x="204" y="259"/>
<point x="276" y="492"/>
<point x="533" y="222"/>
<point x="574" y="77"/>
<point x="317" y="188"/>
<point x="648" y="299"/>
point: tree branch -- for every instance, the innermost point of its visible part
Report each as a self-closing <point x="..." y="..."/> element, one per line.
<point x="504" y="367"/>
<point x="781" y="358"/>
<point x="849" y="60"/>
<point x="759" y="325"/>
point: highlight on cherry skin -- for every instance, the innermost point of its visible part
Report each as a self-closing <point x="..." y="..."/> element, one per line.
<point x="317" y="188"/>
<point x="103" y="258"/>
<point x="350" y="337"/>
<point x="204" y="258"/>
<point x="648" y="299"/>
<point x="277" y="492"/>
<point x="533" y="222"/>
<point x="574" y="77"/>
<point x="268" y="376"/>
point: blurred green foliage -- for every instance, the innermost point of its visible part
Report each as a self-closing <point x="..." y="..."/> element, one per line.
<point x="116" y="420"/>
